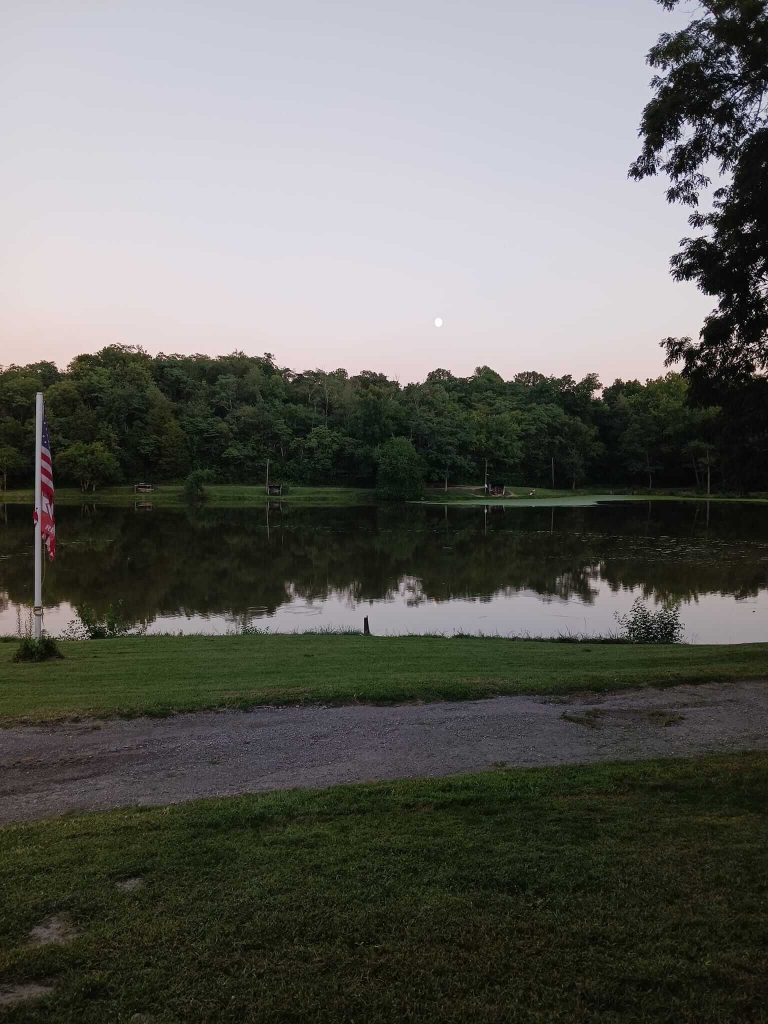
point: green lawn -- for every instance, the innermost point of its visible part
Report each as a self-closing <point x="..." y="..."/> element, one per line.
<point x="156" y="675"/>
<point x="219" y="495"/>
<point x="234" y="495"/>
<point x="580" y="496"/>
<point x="613" y="894"/>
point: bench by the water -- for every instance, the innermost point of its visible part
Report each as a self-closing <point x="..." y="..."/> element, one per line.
<point x="275" y="490"/>
<point x="143" y="488"/>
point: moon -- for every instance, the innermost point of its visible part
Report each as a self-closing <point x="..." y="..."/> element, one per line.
<point x="438" y="321"/>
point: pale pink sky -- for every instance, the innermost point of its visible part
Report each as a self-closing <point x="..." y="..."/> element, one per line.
<point x="322" y="179"/>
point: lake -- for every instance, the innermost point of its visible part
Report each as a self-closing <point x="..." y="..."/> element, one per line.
<point x="528" y="569"/>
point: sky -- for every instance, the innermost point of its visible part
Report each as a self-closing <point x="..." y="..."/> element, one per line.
<point x="322" y="179"/>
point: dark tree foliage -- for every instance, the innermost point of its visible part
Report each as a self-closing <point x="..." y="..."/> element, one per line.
<point x="120" y="415"/>
<point x="708" y="120"/>
<point x="400" y="474"/>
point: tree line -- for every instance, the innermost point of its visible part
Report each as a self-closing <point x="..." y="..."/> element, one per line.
<point x="122" y="416"/>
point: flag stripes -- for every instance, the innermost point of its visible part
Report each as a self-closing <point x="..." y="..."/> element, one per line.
<point x="47" y="517"/>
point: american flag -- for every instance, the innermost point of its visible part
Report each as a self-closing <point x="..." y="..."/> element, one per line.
<point x="47" y="519"/>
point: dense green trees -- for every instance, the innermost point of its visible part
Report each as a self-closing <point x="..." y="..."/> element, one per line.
<point x="121" y="415"/>
<point x="89" y="462"/>
<point x="401" y="471"/>
<point x="708" y="120"/>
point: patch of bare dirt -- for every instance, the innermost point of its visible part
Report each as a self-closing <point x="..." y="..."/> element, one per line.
<point x="54" y="931"/>
<point x="12" y="995"/>
<point x="596" y="718"/>
<point x="130" y="884"/>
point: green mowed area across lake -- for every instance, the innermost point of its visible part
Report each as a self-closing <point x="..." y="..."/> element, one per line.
<point x="613" y="894"/>
<point x="159" y="675"/>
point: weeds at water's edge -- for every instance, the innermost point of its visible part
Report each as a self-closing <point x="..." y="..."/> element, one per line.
<point x="265" y="631"/>
<point x="457" y="634"/>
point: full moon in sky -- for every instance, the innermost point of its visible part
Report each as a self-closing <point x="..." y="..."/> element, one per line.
<point x="438" y="321"/>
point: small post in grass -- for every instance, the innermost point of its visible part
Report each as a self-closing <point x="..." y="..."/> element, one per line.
<point x="366" y="628"/>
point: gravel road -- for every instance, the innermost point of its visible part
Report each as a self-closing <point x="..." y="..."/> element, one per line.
<point x="53" y="769"/>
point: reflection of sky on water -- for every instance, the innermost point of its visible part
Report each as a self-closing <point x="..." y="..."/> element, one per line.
<point x="535" y="570"/>
<point x="711" y="619"/>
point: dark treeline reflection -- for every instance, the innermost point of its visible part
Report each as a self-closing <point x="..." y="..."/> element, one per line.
<point x="248" y="561"/>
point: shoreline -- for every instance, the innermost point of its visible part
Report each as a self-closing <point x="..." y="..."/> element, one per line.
<point x="237" y="496"/>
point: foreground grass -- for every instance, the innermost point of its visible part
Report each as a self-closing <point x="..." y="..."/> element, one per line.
<point x="219" y="495"/>
<point x="619" y="894"/>
<point x="158" y="675"/>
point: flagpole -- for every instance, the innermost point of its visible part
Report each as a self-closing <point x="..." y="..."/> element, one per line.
<point x="38" y="607"/>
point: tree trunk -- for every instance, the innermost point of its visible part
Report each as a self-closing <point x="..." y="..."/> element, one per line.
<point x="446" y="481"/>
<point x="709" y="477"/>
<point x="485" y="480"/>
<point x="696" y="472"/>
<point x="553" y="471"/>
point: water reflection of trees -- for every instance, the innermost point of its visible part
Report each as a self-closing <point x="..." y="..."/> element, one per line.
<point x="229" y="561"/>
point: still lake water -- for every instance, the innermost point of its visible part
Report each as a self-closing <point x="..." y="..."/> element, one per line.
<point x="537" y="569"/>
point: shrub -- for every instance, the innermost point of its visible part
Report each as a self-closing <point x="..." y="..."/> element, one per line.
<point x="642" y="626"/>
<point x="194" y="485"/>
<point x="89" y="626"/>
<point x="31" y="649"/>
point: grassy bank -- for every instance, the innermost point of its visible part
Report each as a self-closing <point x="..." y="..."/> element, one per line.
<point x="158" y="675"/>
<point x="580" y="496"/>
<point x="604" y="894"/>
<point x="219" y="495"/>
<point x="234" y="495"/>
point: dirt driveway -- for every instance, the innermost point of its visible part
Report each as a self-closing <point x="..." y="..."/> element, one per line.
<point x="53" y="769"/>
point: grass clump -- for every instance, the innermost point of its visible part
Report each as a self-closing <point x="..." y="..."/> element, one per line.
<point x="618" y="894"/>
<point x="33" y="649"/>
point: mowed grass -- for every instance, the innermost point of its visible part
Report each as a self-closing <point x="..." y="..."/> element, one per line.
<point x="474" y="495"/>
<point x="159" y="675"/>
<point x="611" y="894"/>
<point x="218" y="495"/>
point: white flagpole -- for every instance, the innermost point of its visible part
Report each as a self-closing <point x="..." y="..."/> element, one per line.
<point x="38" y="608"/>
